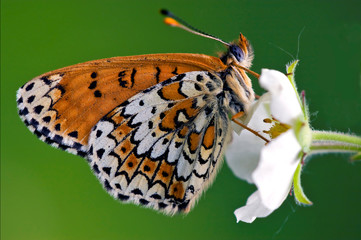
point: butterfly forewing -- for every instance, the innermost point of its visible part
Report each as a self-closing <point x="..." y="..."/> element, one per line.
<point x="162" y="147"/>
<point x="62" y="106"/>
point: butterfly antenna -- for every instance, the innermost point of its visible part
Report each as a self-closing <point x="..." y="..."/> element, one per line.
<point x="174" y="21"/>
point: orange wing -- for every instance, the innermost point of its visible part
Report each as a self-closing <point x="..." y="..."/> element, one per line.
<point x="62" y="106"/>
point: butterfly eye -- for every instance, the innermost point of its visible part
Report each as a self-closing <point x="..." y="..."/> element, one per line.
<point x="236" y="52"/>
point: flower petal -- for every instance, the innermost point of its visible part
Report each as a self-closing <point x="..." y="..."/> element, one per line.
<point x="243" y="153"/>
<point x="285" y="106"/>
<point x="253" y="209"/>
<point x="274" y="174"/>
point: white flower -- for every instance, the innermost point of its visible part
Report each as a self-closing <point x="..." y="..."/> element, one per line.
<point x="280" y="117"/>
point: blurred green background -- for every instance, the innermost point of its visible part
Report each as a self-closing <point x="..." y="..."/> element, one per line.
<point x="50" y="194"/>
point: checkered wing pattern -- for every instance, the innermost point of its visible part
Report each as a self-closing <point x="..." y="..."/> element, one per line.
<point x="162" y="147"/>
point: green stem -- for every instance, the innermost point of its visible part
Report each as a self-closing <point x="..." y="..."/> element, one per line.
<point x="318" y="147"/>
<point x="326" y="142"/>
<point x="334" y="136"/>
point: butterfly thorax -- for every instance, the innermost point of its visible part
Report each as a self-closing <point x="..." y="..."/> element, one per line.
<point x="237" y="93"/>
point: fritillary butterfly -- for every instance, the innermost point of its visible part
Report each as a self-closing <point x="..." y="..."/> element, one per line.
<point x="153" y="127"/>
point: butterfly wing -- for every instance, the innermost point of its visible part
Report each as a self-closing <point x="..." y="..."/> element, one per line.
<point x="62" y="106"/>
<point x="161" y="148"/>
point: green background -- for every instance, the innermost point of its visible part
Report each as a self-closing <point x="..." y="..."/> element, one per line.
<point x="50" y="194"/>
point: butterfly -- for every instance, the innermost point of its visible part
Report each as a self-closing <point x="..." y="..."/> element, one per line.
<point x="152" y="127"/>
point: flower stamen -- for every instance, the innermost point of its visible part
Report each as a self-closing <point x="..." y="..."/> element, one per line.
<point x="277" y="128"/>
<point x="250" y="130"/>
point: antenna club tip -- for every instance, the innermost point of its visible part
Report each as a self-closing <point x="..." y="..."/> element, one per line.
<point x="164" y="12"/>
<point x="171" y="21"/>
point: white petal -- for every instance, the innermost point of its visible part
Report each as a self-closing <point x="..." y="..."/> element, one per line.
<point x="284" y="102"/>
<point x="253" y="209"/>
<point x="243" y="153"/>
<point x="278" y="163"/>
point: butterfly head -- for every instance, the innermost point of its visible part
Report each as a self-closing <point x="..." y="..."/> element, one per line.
<point x="239" y="52"/>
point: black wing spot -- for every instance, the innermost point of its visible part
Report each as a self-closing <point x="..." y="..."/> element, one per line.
<point x="100" y="152"/>
<point x="162" y="205"/>
<point x="25" y="111"/>
<point x="47" y="119"/>
<point x="107" y="185"/>
<point x="157" y="74"/>
<point x="58" y="138"/>
<point x="34" y="123"/>
<point x="154" y="110"/>
<point x="46" y="80"/>
<point x="93" y="85"/>
<point x="97" y="93"/>
<point x="20" y="100"/>
<point x="99" y="133"/>
<point x="183" y="206"/>
<point x="137" y="191"/>
<point x="197" y="87"/>
<point x="121" y="74"/>
<point x="31" y="99"/>
<point x="122" y="197"/>
<point x="73" y="134"/>
<point x="143" y="201"/>
<point x="93" y="75"/>
<point x="29" y="87"/>
<point x="57" y="127"/>
<point x="107" y="170"/>
<point x="45" y="131"/>
<point x="120" y="79"/>
<point x="175" y="72"/>
<point x="77" y="146"/>
<point x="38" y="109"/>
<point x="96" y="169"/>
<point x="156" y="196"/>
<point x="132" y="76"/>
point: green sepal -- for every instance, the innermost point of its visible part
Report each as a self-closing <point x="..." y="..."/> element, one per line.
<point x="297" y="188"/>
<point x="291" y="68"/>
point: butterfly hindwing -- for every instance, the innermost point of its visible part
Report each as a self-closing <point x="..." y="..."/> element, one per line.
<point x="162" y="147"/>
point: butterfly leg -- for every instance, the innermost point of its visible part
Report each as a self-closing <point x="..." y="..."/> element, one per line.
<point x="235" y="120"/>
<point x="237" y="115"/>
